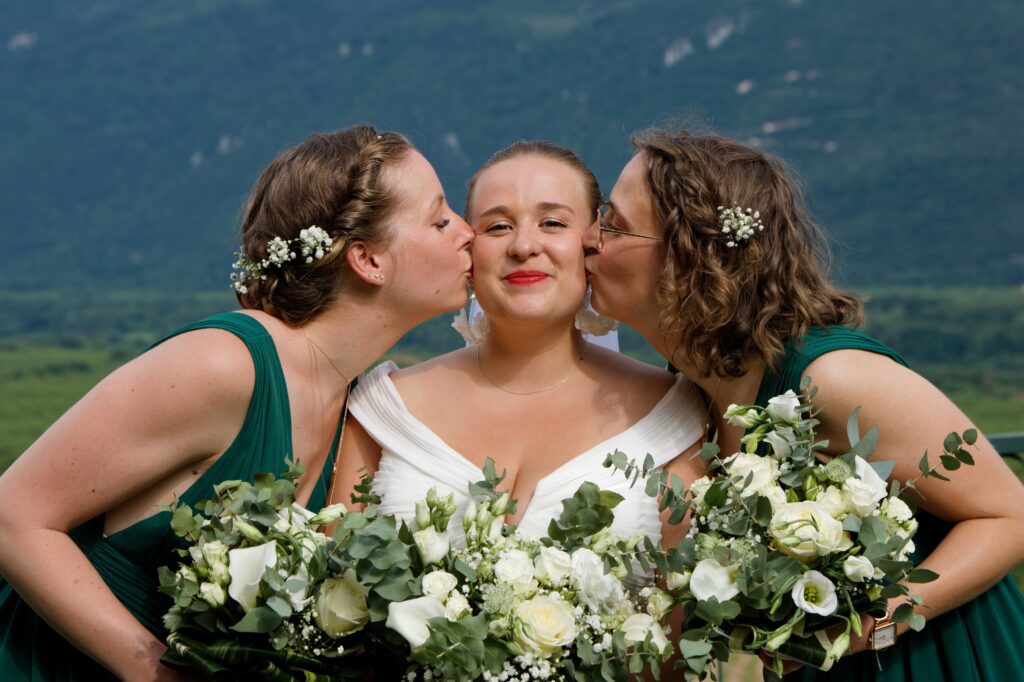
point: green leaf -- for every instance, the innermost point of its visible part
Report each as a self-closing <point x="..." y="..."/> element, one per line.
<point x="866" y="445"/>
<point x="903" y="613"/>
<point x="694" y="649"/>
<point x="280" y="606"/>
<point x="922" y="575"/>
<point x="917" y="622"/>
<point x="971" y="436"/>
<point x="609" y="499"/>
<point x="949" y="462"/>
<point x="851" y="523"/>
<point x="708" y="451"/>
<point x="952" y="442"/>
<point x="965" y="457"/>
<point x="893" y="590"/>
<point x="883" y="468"/>
<point x="715" y="495"/>
<point x="923" y="465"/>
<point x="258" y="620"/>
<point x="852" y="428"/>
<point x="648" y="463"/>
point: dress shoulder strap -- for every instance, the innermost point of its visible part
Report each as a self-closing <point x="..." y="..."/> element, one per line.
<point x="799" y="353"/>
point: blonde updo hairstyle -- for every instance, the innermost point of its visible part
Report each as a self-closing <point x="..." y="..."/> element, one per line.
<point x="547" y="150"/>
<point x="721" y="304"/>
<point x="332" y="180"/>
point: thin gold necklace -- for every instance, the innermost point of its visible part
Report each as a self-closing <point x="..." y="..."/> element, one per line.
<point x="328" y="358"/>
<point x="552" y="387"/>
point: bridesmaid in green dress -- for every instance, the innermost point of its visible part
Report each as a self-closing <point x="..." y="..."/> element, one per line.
<point x="222" y="399"/>
<point x="744" y="308"/>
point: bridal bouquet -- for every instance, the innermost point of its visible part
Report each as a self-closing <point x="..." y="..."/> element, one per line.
<point x="262" y="593"/>
<point x="784" y="545"/>
<point x="504" y="606"/>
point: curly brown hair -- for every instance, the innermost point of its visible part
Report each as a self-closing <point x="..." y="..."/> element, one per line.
<point x="548" y="150"/>
<point x="332" y="180"/>
<point x="721" y="304"/>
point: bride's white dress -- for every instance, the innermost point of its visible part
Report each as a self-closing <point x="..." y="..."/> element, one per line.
<point x="414" y="458"/>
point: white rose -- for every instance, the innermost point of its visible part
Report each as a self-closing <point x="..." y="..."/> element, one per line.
<point x="866" y="473"/>
<point x="599" y="590"/>
<point x="711" y="579"/>
<point x="814" y="593"/>
<point x="785" y="407"/>
<point x="246" y="566"/>
<point x="698" y="489"/>
<point x="859" y="497"/>
<point x="516" y="568"/>
<point x="896" y="509"/>
<point x="776" y="496"/>
<point x="858" y="568"/>
<point x="781" y="441"/>
<point x="341" y="605"/>
<point x="455" y="606"/>
<point x="762" y="471"/>
<point x="677" y="581"/>
<point x="659" y="603"/>
<point x="638" y="626"/>
<point x="544" y="625"/>
<point x="831" y="498"/>
<point x="552" y="565"/>
<point x="805" y="530"/>
<point x="212" y="594"/>
<point x="439" y="584"/>
<point x="409" y="618"/>
<point x="432" y="546"/>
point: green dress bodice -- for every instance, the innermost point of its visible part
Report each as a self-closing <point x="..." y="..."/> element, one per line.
<point x="983" y="640"/>
<point x="128" y="559"/>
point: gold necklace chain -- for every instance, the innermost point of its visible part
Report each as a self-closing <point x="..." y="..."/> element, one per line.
<point x="328" y="358"/>
<point x="552" y="387"/>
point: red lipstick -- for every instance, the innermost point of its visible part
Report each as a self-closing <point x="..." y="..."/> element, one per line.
<point x="526" y="277"/>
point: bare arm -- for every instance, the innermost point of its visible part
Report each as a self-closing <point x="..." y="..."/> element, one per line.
<point x="174" y="406"/>
<point x="358" y="454"/>
<point x="985" y="502"/>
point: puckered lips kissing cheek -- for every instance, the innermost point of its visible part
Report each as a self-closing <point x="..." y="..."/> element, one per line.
<point x="526" y="277"/>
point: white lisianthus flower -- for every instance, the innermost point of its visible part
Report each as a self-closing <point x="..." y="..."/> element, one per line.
<point x="455" y="606"/>
<point x="805" y="530"/>
<point x="896" y="509"/>
<point x="866" y="473"/>
<point x="698" y="489"/>
<point x="328" y="515"/>
<point x="409" y="618"/>
<point x="738" y="416"/>
<point x="293" y="519"/>
<point x="858" y="568"/>
<point x="433" y="546"/>
<point x="516" y="569"/>
<point x="543" y="625"/>
<point x="599" y="590"/>
<point x="831" y="498"/>
<point x="711" y="579"/>
<point x="341" y="605"/>
<point x="639" y="625"/>
<point x="246" y="566"/>
<point x="215" y="553"/>
<point x="212" y="594"/>
<point x="785" y="407"/>
<point x="439" y="584"/>
<point x="677" y="581"/>
<point x="762" y="471"/>
<point x="782" y="441"/>
<point x="494" y="531"/>
<point x="659" y="603"/>
<point x="814" y="593"/>
<point x="552" y="565"/>
<point x="859" y="497"/>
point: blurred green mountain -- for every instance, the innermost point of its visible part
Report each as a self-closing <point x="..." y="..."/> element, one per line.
<point x="132" y="131"/>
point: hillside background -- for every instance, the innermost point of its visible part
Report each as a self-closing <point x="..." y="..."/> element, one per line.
<point x="133" y="131"/>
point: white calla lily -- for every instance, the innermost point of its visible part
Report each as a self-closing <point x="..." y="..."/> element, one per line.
<point x="246" y="566"/>
<point x="409" y="618"/>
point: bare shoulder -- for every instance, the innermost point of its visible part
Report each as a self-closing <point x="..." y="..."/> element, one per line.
<point x="214" y="362"/>
<point x="434" y="374"/>
<point x="618" y="369"/>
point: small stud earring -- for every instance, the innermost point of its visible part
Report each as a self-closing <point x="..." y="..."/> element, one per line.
<point x="377" y="276"/>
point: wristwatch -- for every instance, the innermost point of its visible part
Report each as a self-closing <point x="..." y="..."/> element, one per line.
<point x="883" y="635"/>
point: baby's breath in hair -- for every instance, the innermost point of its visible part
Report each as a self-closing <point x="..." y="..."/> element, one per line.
<point x="738" y="224"/>
<point x="313" y="245"/>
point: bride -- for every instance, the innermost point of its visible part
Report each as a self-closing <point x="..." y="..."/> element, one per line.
<point x="532" y="394"/>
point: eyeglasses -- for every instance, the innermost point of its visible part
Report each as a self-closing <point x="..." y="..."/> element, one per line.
<point x="602" y="210"/>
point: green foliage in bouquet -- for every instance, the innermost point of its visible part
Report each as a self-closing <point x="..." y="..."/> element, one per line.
<point x="784" y="542"/>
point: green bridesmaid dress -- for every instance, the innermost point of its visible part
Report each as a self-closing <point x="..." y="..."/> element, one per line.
<point x="982" y="641"/>
<point x="128" y="560"/>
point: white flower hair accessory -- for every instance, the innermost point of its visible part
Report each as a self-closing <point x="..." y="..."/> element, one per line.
<point x="314" y="243"/>
<point x="739" y="224"/>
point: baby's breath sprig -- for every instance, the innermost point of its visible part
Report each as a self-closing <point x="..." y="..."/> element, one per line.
<point x="739" y="224"/>
<point x="314" y="243"/>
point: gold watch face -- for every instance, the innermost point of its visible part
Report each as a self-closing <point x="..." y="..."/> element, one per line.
<point x="884" y="636"/>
